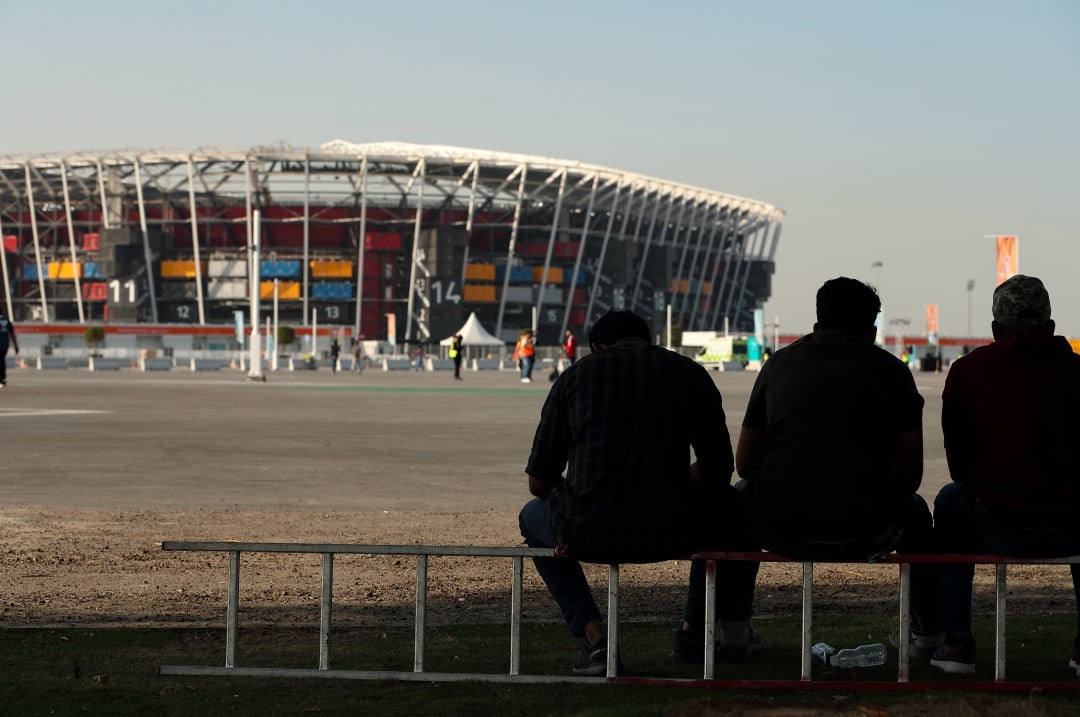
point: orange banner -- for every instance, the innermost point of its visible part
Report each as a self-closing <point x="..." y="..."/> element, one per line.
<point x="931" y="318"/>
<point x="1008" y="258"/>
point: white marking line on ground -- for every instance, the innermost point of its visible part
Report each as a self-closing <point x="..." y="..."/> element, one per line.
<point x="19" y="412"/>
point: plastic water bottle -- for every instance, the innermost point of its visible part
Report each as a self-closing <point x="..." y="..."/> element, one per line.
<point x="820" y="652"/>
<point x="862" y="656"/>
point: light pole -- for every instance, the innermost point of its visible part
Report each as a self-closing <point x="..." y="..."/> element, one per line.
<point x="880" y="337"/>
<point x="970" y="288"/>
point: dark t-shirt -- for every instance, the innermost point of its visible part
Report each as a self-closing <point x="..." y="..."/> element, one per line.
<point x="621" y="423"/>
<point x="831" y="408"/>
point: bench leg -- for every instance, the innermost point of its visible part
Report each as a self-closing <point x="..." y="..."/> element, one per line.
<point x="710" y="619"/>
<point x="613" y="621"/>
<point x="325" y="610"/>
<point x="999" y="623"/>
<point x="807" y="619"/>
<point x="232" y="614"/>
<point x="515" y="617"/>
<point x="421" y="613"/>
<point x="903" y="673"/>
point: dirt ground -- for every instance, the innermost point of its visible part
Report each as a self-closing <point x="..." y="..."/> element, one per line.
<point x="100" y="468"/>
<point x="106" y="568"/>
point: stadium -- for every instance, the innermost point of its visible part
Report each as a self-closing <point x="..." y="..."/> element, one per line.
<point x="387" y="241"/>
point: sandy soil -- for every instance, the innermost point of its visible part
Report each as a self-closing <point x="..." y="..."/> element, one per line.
<point x="107" y="568"/>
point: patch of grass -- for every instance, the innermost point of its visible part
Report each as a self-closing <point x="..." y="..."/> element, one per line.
<point x="115" y="671"/>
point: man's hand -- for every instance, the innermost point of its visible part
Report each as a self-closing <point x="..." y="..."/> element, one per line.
<point x="540" y="487"/>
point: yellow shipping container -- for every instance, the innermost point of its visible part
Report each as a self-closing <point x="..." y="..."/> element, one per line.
<point x="480" y="272"/>
<point x="554" y="275"/>
<point x="287" y="290"/>
<point x="64" y="270"/>
<point x="480" y="293"/>
<point x="331" y="269"/>
<point x="177" y="269"/>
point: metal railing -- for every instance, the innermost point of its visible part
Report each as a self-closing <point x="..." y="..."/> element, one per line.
<point x="517" y="556"/>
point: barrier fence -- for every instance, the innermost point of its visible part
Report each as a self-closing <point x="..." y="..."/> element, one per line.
<point x="517" y="556"/>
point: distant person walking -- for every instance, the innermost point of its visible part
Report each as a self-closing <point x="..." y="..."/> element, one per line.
<point x="455" y="355"/>
<point x="570" y="346"/>
<point x="335" y="354"/>
<point x="7" y="337"/>
<point x="357" y="356"/>
<point x="525" y="353"/>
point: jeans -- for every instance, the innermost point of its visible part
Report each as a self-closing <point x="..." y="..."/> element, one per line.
<point x="526" y="364"/>
<point x="964" y="526"/>
<point x="735" y="579"/>
<point x="564" y="577"/>
<point x="911" y="532"/>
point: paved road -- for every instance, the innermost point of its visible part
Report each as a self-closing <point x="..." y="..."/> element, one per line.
<point x="305" y="440"/>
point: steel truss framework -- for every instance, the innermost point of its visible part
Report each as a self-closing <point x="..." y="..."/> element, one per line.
<point x="708" y="240"/>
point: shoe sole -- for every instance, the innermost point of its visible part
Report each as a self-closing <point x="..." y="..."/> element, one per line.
<point x="954" y="668"/>
<point x="919" y="648"/>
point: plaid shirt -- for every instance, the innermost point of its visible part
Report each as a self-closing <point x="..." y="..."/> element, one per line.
<point x="621" y="423"/>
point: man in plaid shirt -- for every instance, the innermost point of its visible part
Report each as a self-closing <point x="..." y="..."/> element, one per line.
<point x="610" y="469"/>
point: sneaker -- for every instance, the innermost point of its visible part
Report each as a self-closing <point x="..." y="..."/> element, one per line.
<point x="1075" y="661"/>
<point x="593" y="659"/>
<point x="526" y="380"/>
<point x="685" y="648"/>
<point x="742" y="649"/>
<point x="920" y="647"/>
<point x="688" y="647"/>
<point x="956" y="655"/>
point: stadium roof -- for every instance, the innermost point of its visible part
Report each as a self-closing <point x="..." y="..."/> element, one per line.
<point x="403" y="152"/>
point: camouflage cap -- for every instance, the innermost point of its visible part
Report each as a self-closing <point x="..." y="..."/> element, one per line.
<point x="1021" y="301"/>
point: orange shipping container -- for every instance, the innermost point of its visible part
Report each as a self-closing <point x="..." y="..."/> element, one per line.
<point x="480" y="293"/>
<point x="64" y="270"/>
<point x="180" y="269"/>
<point x="287" y="290"/>
<point x="554" y="275"/>
<point x="480" y="272"/>
<point x="331" y="269"/>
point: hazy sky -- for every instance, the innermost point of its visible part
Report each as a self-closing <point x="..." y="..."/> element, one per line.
<point x="900" y="132"/>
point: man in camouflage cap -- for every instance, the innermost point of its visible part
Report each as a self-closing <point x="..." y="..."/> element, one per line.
<point x="1010" y="417"/>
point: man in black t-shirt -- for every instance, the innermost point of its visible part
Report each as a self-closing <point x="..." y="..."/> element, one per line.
<point x="831" y="448"/>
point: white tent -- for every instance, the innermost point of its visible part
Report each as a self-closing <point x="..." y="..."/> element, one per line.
<point x="473" y="334"/>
